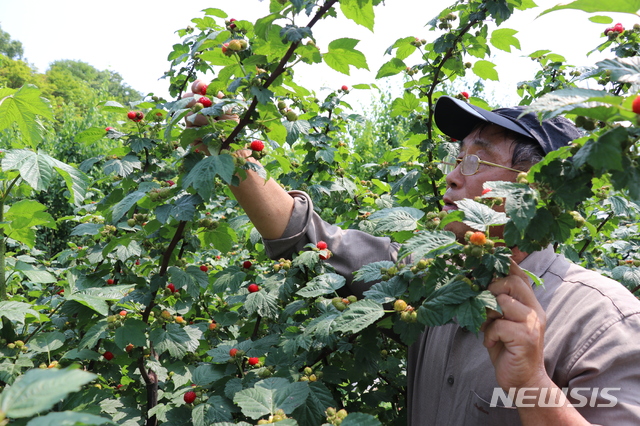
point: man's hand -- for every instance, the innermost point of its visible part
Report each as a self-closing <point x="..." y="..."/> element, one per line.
<point x="201" y="120"/>
<point x="516" y="340"/>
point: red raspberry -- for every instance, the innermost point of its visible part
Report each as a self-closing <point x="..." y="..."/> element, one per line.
<point x="108" y="356"/>
<point x="123" y="313"/>
<point x="137" y="261"/>
<point x="110" y="281"/>
<point x="131" y="115"/>
<point x="233" y="352"/>
<point x="171" y="287"/>
<point x="171" y="183"/>
<point x="325" y="255"/>
<point x="204" y="268"/>
<point x="253" y="288"/>
<point x="108" y="129"/>
<point x="478" y="238"/>
<point x="61" y="292"/>
<point x="189" y="397"/>
<point x="224" y="47"/>
<point x="636" y="105"/>
<point x="618" y="28"/>
<point x="465" y="94"/>
<point x="345" y="88"/>
<point x="203" y="89"/>
<point x="257" y="145"/>
<point x="321" y="245"/>
<point x="254" y="360"/>
<point x="246" y="264"/>
<point x="119" y="385"/>
<point x="206" y="102"/>
<point x="486" y="191"/>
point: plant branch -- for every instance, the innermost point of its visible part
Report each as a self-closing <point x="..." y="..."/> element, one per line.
<point x="590" y="240"/>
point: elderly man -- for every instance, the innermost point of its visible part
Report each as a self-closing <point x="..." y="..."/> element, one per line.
<point x="579" y="333"/>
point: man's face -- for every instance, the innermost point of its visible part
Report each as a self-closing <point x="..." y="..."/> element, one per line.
<point x="489" y="144"/>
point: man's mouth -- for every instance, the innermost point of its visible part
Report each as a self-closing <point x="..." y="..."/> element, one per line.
<point x="449" y="205"/>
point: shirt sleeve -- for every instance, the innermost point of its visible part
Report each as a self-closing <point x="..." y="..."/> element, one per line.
<point x="350" y="248"/>
<point x="605" y="387"/>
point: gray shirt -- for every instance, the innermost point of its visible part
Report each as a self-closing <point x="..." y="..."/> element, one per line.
<point x="592" y="339"/>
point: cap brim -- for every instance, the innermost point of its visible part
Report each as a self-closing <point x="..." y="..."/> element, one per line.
<point x="457" y="119"/>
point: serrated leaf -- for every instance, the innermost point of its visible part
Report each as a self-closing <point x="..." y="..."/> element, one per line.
<point x="35" y="274"/>
<point x="38" y="390"/>
<point x="322" y="284"/>
<point x="470" y="314"/>
<point x="479" y="216"/>
<point x="271" y="394"/>
<point x="96" y="297"/>
<point x="125" y="204"/>
<point x="22" y="107"/>
<point x="386" y="291"/>
<point x="216" y="409"/>
<point x="396" y="219"/>
<point x="17" y="311"/>
<point x="485" y="70"/>
<point x="228" y="280"/>
<point x="371" y="271"/>
<point x="202" y="175"/>
<point x="360" y="419"/>
<point x="262" y="303"/>
<point x="90" y="135"/>
<point x="122" y="167"/>
<point x="428" y="244"/>
<point x="206" y="374"/>
<point x="312" y="412"/>
<point x="342" y="54"/>
<point x="359" y="11"/>
<point x="393" y="67"/>
<point x="47" y="342"/>
<point x="94" y="334"/>
<point x="591" y="6"/>
<point x="503" y="39"/>
<point x="173" y="339"/>
<point x="34" y="168"/>
<point x="132" y="331"/>
<point x="358" y="316"/>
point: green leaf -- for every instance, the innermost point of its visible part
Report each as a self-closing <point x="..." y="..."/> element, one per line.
<point x="470" y="314"/>
<point x="322" y="284"/>
<point x="96" y="297"/>
<point x="17" y="311"/>
<point x="202" y="176"/>
<point x="228" y="280"/>
<point x="428" y="244"/>
<point x="393" y="67"/>
<point x="38" y="390"/>
<point x="452" y="293"/>
<point x="270" y="395"/>
<point x="47" y="342"/>
<point x="192" y="279"/>
<point x="358" y="316"/>
<point x="132" y="331"/>
<point x="216" y="409"/>
<point x="605" y="154"/>
<point x="405" y="106"/>
<point x="122" y="167"/>
<point x="91" y="135"/>
<point x="371" y="271"/>
<point x="360" y="11"/>
<point x="77" y="182"/>
<point x="342" y="54"/>
<point x="485" y="70"/>
<point x="35" y="274"/>
<point x="22" y="108"/>
<point x="34" y="168"/>
<point x="69" y="418"/>
<point x="360" y="419"/>
<point x="295" y="129"/>
<point x="125" y="205"/>
<point x="479" y="216"/>
<point x="22" y="217"/>
<point x="575" y="100"/>
<point x="520" y="203"/>
<point x="312" y="412"/>
<point x="262" y="303"/>
<point x="593" y="6"/>
<point x="503" y="39"/>
<point x="396" y="219"/>
<point x="94" y="334"/>
<point x="206" y="374"/>
<point x="173" y="339"/>
<point x="387" y="291"/>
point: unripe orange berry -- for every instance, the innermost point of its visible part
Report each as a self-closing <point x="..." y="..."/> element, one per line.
<point x="478" y="238"/>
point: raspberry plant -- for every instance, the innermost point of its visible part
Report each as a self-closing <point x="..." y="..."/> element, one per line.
<point x="206" y="339"/>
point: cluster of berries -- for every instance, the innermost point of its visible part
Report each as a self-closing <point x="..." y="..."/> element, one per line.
<point x="335" y="417"/>
<point x="284" y="264"/>
<point x="208" y="223"/>
<point x="341" y="303"/>
<point x="445" y="21"/>
<point x="18" y="344"/>
<point x="288" y="113"/>
<point x="309" y="375"/>
<point x="278" y="416"/>
<point x="615" y="31"/>
<point x="138" y="219"/>
<point x="478" y="244"/>
<point x="432" y="219"/>
<point x="136" y="116"/>
<point x="407" y="312"/>
<point x="418" y="42"/>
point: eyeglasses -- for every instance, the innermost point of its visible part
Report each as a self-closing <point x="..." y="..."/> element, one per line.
<point x="469" y="165"/>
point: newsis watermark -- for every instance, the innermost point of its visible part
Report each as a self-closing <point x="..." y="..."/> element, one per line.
<point x="545" y="397"/>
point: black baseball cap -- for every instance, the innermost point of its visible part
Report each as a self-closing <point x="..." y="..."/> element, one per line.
<point x="456" y="118"/>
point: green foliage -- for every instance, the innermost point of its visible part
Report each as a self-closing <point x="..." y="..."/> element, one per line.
<point x="151" y="291"/>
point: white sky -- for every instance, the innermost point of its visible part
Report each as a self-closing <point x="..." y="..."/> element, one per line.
<point x="134" y="38"/>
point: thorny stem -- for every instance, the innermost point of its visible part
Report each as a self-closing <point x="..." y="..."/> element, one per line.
<point x="590" y="240"/>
